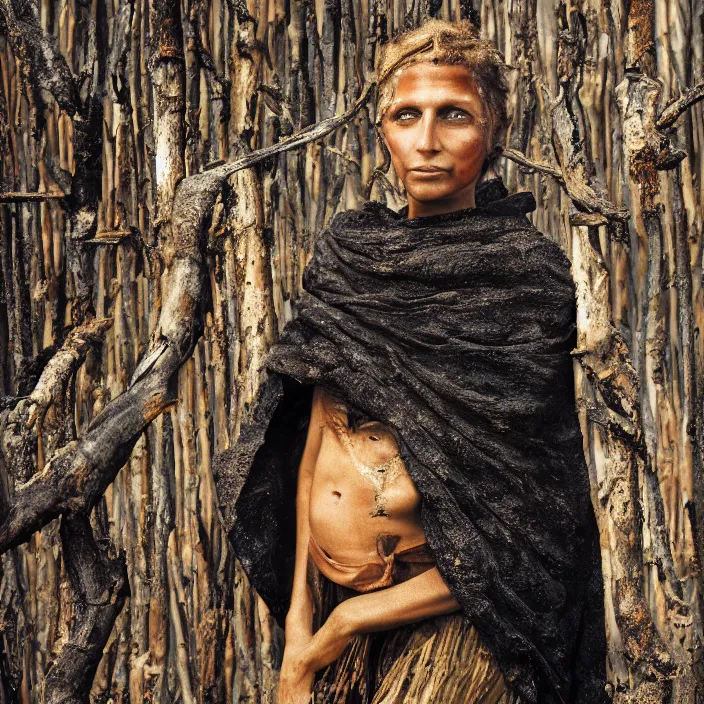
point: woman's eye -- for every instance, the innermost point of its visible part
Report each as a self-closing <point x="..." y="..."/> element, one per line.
<point x="408" y="113"/>
<point x="454" y="114"/>
<point x="458" y="113"/>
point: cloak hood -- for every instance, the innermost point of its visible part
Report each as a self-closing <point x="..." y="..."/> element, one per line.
<point x="456" y="331"/>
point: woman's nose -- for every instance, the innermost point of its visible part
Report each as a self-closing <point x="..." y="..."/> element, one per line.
<point x="428" y="139"/>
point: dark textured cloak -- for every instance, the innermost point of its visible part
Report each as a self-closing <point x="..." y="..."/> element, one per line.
<point x="456" y="331"/>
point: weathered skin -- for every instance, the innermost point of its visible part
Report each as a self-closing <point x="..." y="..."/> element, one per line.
<point x="360" y="488"/>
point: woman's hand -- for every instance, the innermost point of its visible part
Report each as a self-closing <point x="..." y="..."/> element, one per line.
<point x="328" y="643"/>
<point x="304" y="655"/>
<point x="296" y="678"/>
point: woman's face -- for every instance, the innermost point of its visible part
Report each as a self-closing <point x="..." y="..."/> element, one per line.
<point x="434" y="121"/>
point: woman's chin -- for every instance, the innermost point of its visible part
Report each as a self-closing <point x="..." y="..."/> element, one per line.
<point x="429" y="193"/>
<point x="423" y="192"/>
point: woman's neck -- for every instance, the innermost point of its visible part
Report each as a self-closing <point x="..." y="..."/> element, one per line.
<point x="440" y="206"/>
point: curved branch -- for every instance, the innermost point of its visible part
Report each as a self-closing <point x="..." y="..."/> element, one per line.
<point x="76" y="476"/>
<point x="19" y="437"/>
<point x="574" y="173"/>
<point x="63" y="365"/>
<point x="522" y="160"/>
<point x="574" y="183"/>
<point x="46" y="66"/>
<point x="669" y="115"/>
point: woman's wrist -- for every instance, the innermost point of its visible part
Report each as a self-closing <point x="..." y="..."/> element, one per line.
<point x="301" y="599"/>
<point x="328" y="642"/>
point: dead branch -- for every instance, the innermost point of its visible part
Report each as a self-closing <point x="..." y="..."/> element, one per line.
<point x="64" y="364"/>
<point x="100" y="586"/>
<point x="572" y="177"/>
<point x="20" y="430"/>
<point x="26" y="197"/>
<point x="573" y="166"/>
<point x="671" y="113"/>
<point x="531" y="165"/>
<point x="45" y="67"/>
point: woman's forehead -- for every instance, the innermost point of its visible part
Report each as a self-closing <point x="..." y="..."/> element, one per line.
<point x="434" y="84"/>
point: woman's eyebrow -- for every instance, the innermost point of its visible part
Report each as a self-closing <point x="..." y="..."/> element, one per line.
<point x="441" y="104"/>
<point x="464" y="104"/>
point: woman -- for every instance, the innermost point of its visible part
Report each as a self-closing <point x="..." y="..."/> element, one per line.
<point x="440" y="479"/>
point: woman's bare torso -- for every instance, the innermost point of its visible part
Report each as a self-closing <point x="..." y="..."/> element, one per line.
<point x="360" y="489"/>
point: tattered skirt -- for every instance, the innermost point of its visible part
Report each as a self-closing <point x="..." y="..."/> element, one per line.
<point x="440" y="659"/>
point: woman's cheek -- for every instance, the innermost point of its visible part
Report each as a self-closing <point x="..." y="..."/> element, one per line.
<point x="471" y="157"/>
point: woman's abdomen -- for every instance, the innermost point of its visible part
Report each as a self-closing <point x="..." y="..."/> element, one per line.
<point x="361" y="490"/>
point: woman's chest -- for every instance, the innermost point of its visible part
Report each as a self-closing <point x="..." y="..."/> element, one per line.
<point x="359" y="463"/>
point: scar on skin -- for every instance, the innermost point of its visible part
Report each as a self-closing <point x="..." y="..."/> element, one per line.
<point x="380" y="476"/>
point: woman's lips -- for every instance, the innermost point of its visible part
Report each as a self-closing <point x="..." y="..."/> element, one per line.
<point x="427" y="172"/>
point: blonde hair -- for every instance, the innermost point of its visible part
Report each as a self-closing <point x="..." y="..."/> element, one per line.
<point x="449" y="43"/>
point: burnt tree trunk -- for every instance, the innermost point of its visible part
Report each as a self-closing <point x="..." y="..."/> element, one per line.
<point x="151" y="254"/>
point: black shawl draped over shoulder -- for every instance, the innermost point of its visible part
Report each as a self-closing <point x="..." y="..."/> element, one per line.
<point x="456" y="331"/>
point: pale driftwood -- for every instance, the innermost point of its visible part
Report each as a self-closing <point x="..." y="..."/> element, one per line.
<point x="19" y="197"/>
<point x="251" y="75"/>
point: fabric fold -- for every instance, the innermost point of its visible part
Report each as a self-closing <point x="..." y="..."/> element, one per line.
<point x="456" y="331"/>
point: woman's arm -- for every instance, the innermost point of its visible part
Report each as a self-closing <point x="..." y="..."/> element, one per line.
<point x="300" y="614"/>
<point x="295" y="678"/>
<point x="420" y="597"/>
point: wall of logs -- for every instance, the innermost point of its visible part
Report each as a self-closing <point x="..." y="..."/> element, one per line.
<point x="143" y="278"/>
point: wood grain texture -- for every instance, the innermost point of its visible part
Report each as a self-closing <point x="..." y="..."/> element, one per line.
<point x="144" y="277"/>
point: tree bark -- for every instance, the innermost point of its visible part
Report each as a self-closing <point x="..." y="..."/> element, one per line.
<point x="161" y="186"/>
